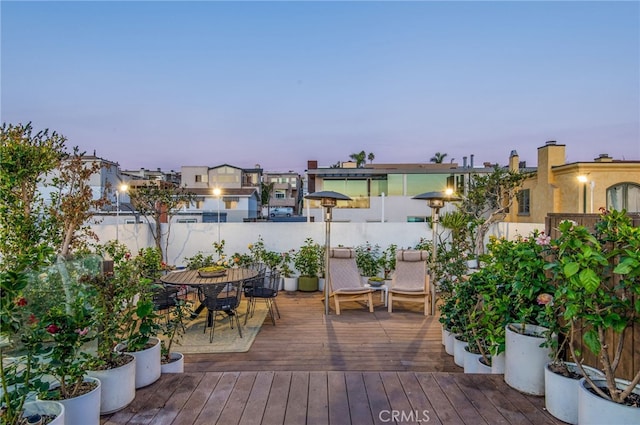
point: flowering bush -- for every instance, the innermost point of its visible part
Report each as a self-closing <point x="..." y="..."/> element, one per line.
<point x="285" y="263"/>
<point x="368" y="259"/>
<point x="388" y="260"/>
<point x="307" y="260"/>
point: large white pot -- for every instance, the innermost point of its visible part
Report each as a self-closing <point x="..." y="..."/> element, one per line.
<point x="148" y="362"/>
<point x="118" y="387"/>
<point x="525" y="359"/>
<point x="444" y="335"/>
<point x="321" y="281"/>
<point x="84" y="409"/>
<point x="471" y="364"/>
<point x="458" y="350"/>
<point x="497" y="364"/>
<point x="39" y="408"/>
<point x="290" y="284"/>
<point x="595" y="410"/>
<point x="561" y="392"/>
<point x="176" y="365"/>
<point x="448" y="343"/>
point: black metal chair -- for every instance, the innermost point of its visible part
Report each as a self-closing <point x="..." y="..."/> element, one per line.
<point x="222" y="299"/>
<point x="164" y="296"/>
<point x="266" y="289"/>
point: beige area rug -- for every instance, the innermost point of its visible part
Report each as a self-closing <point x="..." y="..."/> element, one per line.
<point x="225" y="339"/>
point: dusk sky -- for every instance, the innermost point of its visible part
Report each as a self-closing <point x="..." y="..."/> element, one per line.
<point x="165" y="84"/>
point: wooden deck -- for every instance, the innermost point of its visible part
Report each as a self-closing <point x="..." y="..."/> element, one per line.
<point x="356" y="368"/>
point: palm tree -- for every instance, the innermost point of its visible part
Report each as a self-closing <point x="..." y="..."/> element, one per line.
<point x="359" y="158"/>
<point x="438" y="157"/>
<point x="371" y="157"/>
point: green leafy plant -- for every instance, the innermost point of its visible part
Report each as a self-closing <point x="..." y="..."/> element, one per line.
<point x="598" y="284"/>
<point x="306" y="260"/>
<point x="368" y="259"/>
<point x="388" y="260"/>
<point x="285" y="263"/>
<point x="172" y="325"/>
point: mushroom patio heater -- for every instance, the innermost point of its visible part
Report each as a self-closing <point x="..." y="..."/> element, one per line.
<point x="435" y="201"/>
<point x="328" y="200"/>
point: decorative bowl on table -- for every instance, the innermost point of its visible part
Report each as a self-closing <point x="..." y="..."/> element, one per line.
<point x="375" y="282"/>
<point x="212" y="271"/>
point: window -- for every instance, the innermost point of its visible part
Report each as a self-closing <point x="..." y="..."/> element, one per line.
<point x="279" y="195"/>
<point x="524" y="202"/>
<point x="187" y="220"/>
<point x="202" y="178"/>
<point x="624" y="196"/>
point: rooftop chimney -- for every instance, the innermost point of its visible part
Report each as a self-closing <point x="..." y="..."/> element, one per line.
<point x="464" y="162"/>
<point x="471" y="164"/>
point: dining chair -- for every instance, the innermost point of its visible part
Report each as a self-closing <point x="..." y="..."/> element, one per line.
<point x="223" y="299"/>
<point x="267" y="290"/>
<point x="345" y="283"/>
<point x="410" y="281"/>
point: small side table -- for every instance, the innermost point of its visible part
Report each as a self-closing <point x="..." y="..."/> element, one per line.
<point x="384" y="291"/>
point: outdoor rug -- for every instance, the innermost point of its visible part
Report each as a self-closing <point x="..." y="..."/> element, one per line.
<point x="225" y="339"/>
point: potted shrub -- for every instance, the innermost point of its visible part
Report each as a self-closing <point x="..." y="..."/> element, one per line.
<point x="290" y="281"/>
<point x="526" y="348"/>
<point x="61" y="305"/>
<point x="368" y="259"/>
<point x="598" y="283"/>
<point x="172" y="325"/>
<point x="139" y="335"/>
<point x="307" y="262"/>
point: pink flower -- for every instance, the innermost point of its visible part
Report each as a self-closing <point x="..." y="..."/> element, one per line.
<point x="21" y="302"/>
<point x="53" y="329"/>
<point x="82" y="332"/>
<point x="542" y="239"/>
<point x="544" y="299"/>
<point x="127" y="255"/>
<point x="32" y="319"/>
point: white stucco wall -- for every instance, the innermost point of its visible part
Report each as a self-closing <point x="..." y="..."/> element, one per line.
<point x="187" y="239"/>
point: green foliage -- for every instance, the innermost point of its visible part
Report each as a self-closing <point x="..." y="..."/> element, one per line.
<point x="307" y="259"/>
<point x="388" y="260"/>
<point x="368" y="259"/>
<point x="172" y="325"/>
<point x="597" y="275"/>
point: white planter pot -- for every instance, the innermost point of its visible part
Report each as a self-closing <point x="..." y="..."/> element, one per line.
<point x="321" y="284"/>
<point x="176" y="365"/>
<point x="497" y="364"/>
<point x="118" y="386"/>
<point x="471" y="364"/>
<point x="444" y="335"/>
<point x="525" y="359"/>
<point x="482" y="368"/>
<point x="593" y="409"/>
<point x="561" y="392"/>
<point x="84" y="409"/>
<point x="448" y="343"/>
<point x="36" y="409"/>
<point x="148" y="363"/>
<point x="458" y="351"/>
<point x="290" y="284"/>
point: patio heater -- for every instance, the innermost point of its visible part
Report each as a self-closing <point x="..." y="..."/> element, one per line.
<point x="328" y="200"/>
<point x="217" y="192"/>
<point x="435" y="201"/>
<point x="122" y="188"/>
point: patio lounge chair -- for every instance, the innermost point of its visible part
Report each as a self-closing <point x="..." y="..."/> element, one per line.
<point x="345" y="283"/>
<point x="410" y="281"/>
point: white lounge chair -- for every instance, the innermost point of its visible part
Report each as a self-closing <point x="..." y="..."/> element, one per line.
<point x="410" y="281"/>
<point x="345" y="283"/>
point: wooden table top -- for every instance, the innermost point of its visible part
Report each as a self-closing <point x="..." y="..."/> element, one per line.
<point x="192" y="278"/>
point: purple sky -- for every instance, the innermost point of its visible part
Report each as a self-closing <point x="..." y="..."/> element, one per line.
<point x="166" y="84"/>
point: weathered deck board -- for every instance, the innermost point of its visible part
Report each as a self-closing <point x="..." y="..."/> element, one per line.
<point x="356" y="368"/>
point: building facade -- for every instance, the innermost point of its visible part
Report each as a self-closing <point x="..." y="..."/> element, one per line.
<point x="577" y="187"/>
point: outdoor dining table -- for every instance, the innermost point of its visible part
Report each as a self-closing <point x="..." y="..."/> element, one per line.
<point x="193" y="279"/>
